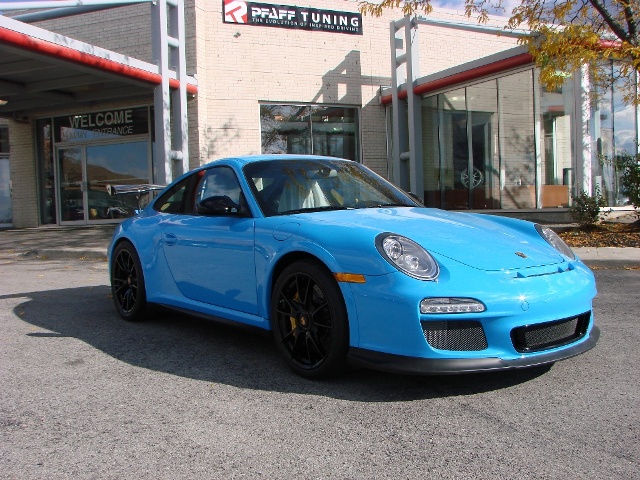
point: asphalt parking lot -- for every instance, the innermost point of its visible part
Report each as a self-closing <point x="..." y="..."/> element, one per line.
<point x="86" y="395"/>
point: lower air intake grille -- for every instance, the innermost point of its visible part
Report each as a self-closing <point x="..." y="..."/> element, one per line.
<point x="533" y="338"/>
<point x="462" y="335"/>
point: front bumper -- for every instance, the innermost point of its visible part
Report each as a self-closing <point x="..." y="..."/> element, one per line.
<point x="440" y="366"/>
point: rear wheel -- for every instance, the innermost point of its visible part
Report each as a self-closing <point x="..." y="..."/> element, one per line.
<point x="309" y="320"/>
<point x="127" y="283"/>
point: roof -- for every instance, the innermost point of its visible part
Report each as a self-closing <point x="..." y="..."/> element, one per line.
<point x="40" y="70"/>
<point x="483" y="67"/>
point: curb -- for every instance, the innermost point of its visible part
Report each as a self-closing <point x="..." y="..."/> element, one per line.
<point x="609" y="257"/>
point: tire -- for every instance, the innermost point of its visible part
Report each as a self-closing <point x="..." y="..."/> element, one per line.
<point x="309" y="320"/>
<point x="127" y="283"/>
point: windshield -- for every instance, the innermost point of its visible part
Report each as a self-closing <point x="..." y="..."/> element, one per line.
<point x="305" y="185"/>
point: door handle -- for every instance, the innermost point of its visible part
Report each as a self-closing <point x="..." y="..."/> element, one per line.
<point x="169" y="239"/>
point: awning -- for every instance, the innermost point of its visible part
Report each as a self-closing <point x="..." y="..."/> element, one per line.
<point x="41" y="70"/>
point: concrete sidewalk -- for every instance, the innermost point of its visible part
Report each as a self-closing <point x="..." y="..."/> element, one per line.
<point x="90" y="243"/>
<point x="57" y="243"/>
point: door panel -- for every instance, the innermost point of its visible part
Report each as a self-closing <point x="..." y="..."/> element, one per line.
<point x="70" y="179"/>
<point x="212" y="259"/>
<point x="121" y="164"/>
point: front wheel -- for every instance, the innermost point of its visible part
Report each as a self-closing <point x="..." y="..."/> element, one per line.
<point x="127" y="283"/>
<point x="309" y="320"/>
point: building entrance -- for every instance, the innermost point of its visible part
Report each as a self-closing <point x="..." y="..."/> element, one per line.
<point x="83" y="173"/>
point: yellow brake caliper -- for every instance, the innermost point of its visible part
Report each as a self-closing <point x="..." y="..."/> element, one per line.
<point x="293" y="320"/>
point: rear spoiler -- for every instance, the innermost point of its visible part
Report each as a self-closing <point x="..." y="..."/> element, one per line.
<point x="137" y="190"/>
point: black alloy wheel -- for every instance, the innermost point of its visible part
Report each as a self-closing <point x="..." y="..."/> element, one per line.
<point x="309" y="320"/>
<point x="127" y="283"/>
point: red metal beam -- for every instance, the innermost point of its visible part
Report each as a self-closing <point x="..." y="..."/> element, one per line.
<point x="27" y="42"/>
<point x="466" y="76"/>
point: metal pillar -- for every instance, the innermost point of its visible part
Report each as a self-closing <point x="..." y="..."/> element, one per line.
<point x="399" y="168"/>
<point x="583" y="180"/>
<point x="171" y="153"/>
<point x="407" y="118"/>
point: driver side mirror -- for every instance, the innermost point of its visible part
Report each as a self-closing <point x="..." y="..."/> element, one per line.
<point x="220" y="205"/>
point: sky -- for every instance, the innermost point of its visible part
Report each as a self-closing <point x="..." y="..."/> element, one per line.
<point x="459" y="5"/>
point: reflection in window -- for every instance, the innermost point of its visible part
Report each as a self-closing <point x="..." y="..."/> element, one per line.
<point x="46" y="175"/>
<point x="614" y="132"/>
<point x="219" y="181"/>
<point x="120" y="164"/>
<point x="556" y="168"/>
<point x="517" y="140"/>
<point x="309" y="129"/>
<point x="476" y="155"/>
<point x="176" y="199"/>
<point x="484" y="176"/>
<point x="5" y="179"/>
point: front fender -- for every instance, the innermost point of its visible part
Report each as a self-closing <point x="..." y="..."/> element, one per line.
<point x="272" y="256"/>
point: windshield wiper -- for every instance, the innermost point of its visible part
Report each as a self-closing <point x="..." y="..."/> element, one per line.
<point x="385" y="205"/>
<point x="325" y="208"/>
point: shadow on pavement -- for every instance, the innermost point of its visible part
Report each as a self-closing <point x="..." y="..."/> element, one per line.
<point x="202" y="350"/>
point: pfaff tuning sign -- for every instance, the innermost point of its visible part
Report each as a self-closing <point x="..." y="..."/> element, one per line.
<point x="287" y="16"/>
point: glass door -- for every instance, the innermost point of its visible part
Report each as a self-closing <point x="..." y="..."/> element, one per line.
<point x="84" y="172"/>
<point x="71" y="191"/>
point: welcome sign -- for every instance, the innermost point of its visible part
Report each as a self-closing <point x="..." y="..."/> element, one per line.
<point x="108" y="123"/>
<point x="287" y="16"/>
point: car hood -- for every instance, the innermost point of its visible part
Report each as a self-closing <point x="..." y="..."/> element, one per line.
<point x="480" y="241"/>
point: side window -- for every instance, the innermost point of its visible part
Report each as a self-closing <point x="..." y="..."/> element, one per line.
<point x="219" y="181"/>
<point x="176" y="199"/>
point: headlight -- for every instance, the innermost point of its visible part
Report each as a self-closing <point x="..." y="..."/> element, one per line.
<point x="407" y="256"/>
<point x="555" y="241"/>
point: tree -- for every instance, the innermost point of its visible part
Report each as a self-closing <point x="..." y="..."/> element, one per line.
<point x="565" y="35"/>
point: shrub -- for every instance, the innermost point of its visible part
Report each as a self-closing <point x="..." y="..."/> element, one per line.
<point x="586" y="208"/>
<point x="630" y="180"/>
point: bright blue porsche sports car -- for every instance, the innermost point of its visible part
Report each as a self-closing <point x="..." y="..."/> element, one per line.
<point x="343" y="267"/>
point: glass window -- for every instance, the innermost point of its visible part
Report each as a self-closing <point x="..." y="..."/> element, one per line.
<point x="455" y="147"/>
<point x="219" y="181"/>
<point x="179" y="198"/>
<point x="46" y="169"/>
<point x="5" y="191"/>
<point x="4" y="140"/>
<point x="319" y="185"/>
<point x="614" y="131"/>
<point x="479" y="145"/>
<point x="102" y="125"/>
<point x="431" y="151"/>
<point x="482" y="177"/>
<point x="460" y="131"/>
<point x="556" y="167"/>
<point x="309" y="129"/>
<point x="517" y="140"/>
<point x="5" y="178"/>
<point x="117" y="163"/>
